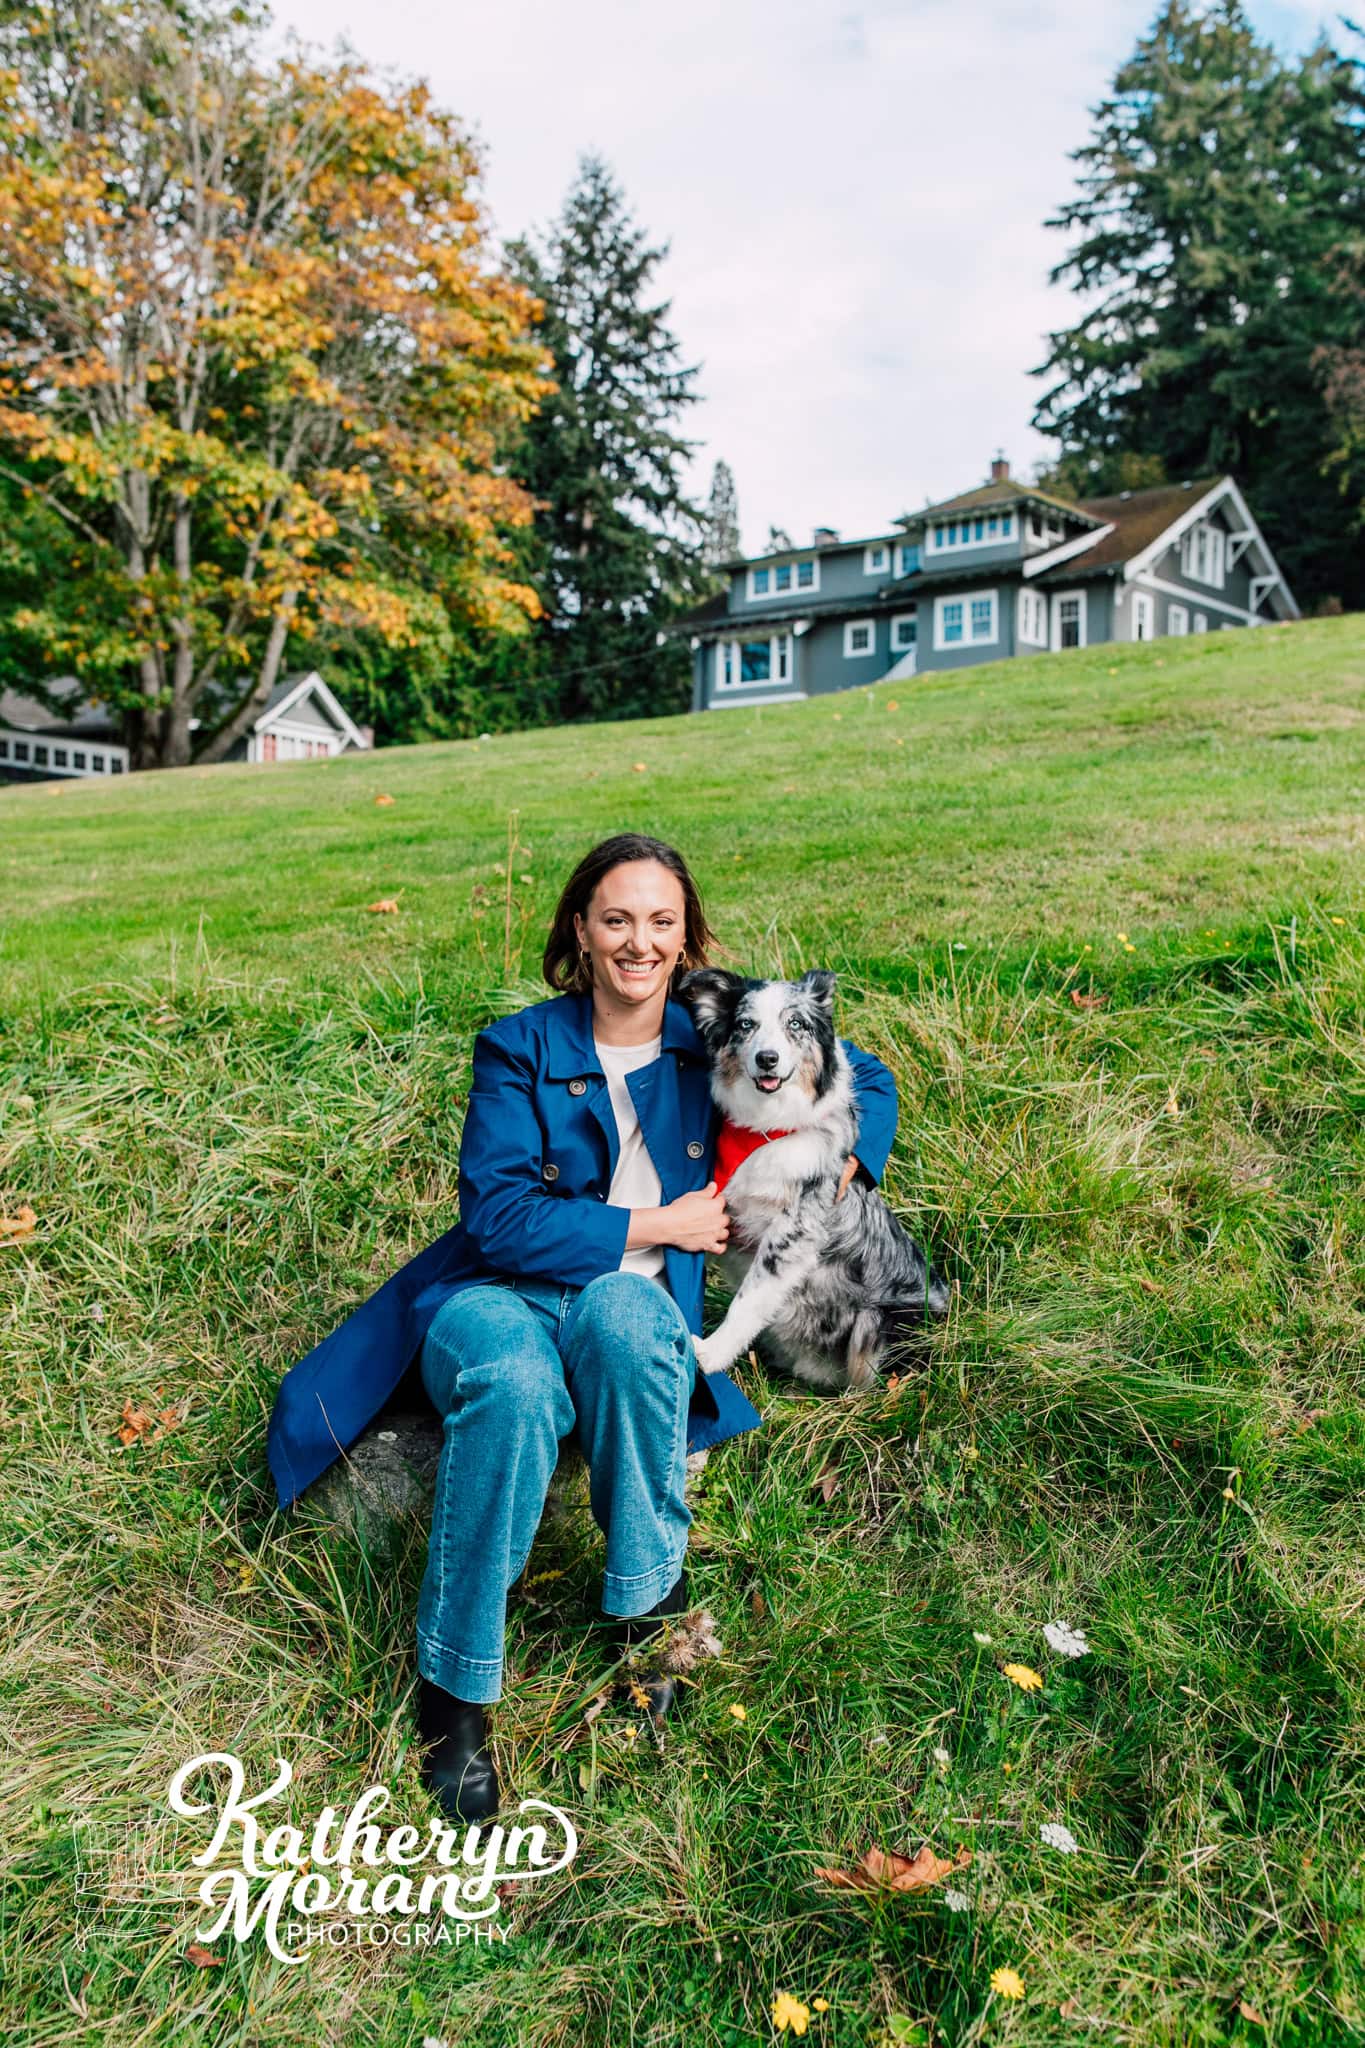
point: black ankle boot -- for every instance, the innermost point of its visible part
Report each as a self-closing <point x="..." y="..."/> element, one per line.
<point x="659" y="1688"/>
<point x="457" y="1767"/>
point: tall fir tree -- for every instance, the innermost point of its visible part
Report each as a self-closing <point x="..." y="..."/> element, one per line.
<point x="722" y="537"/>
<point x="1216" y="184"/>
<point x="621" y="543"/>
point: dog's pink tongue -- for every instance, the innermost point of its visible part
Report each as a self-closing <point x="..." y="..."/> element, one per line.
<point x="770" y="1086"/>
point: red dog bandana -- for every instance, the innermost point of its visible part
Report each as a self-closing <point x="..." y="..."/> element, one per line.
<point x="733" y="1146"/>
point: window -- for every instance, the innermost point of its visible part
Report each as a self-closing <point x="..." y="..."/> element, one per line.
<point x="987" y="531"/>
<point x="1068" y="619"/>
<point x="909" y="559"/>
<point x="876" y="559"/>
<point x="97" y="764"/>
<point x="752" y="664"/>
<point x="1203" y="554"/>
<point x="21" y="750"/>
<point x="1044" y="530"/>
<point x="115" y="765"/>
<point x="78" y="758"/>
<point x="1177" y="619"/>
<point x="1201" y="622"/>
<point x="973" y="620"/>
<point x="59" y="757"/>
<point x="1142" y="615"/>
<point x="904" y="632"/>
<point x="270" y="746"/>
<point x="775" y="578"/>
<point x="1032" y="621"/>
<point x="859" y="638"/>
<point x="4" y="750"/>
<point x="40" y="756"/>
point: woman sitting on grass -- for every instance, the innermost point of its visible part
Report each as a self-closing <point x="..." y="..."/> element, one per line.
<point x="564" y="1302"/>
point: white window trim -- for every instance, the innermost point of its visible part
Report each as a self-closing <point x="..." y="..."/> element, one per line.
<point x="792" y="562"/>
<point x="882" y="547"/>
<point x="1215" y="554"/>
<point x="1055" y="636"/>
<point x="1172" y="630"/>
<point x="1215" y="604"/>
<point x="1034" y="602"/>
<point x="910" y="618"/>
<point x="852" y="626"/>
<point x="776" y="643"/>
<point x="1224" y="490"/>
<point x="966" y="598"/>
<point x="49" y="740"/>
<point x="1144" y="605"/>
<point x="1199" y="623"/>
<point x="933" y="545"/>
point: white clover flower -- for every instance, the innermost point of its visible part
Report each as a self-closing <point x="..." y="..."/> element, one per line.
<point x="942" y="1758"/>
<point x="980" y="1636"/>
<point x="1055" y="1836"/>
<point x="957" y="1902"/>
<point x="1065" y="1640"/>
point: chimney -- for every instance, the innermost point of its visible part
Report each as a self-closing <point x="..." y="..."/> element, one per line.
<point x="825" y="537"/>
<point x="1000" y="470"/>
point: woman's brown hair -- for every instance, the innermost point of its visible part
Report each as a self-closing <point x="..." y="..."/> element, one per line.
<point x="563" y="967"/>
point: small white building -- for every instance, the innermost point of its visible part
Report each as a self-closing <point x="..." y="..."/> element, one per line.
<point x="302" y="721"/>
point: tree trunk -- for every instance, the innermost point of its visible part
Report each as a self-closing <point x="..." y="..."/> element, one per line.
<point x="220" y="743"/>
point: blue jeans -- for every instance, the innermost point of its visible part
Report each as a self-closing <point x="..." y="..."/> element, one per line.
<point x="513" y="1366"/>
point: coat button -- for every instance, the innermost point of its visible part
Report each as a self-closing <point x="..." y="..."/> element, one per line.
<point x="695" y="1150"/>
<point x="578" y="1087"/>
<point x="549" y="1171"/>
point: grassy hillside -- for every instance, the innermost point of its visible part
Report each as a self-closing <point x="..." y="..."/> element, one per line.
<point x="231" y="1096"/>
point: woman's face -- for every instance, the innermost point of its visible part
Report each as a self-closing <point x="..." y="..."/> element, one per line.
<point x="634" y="930"/>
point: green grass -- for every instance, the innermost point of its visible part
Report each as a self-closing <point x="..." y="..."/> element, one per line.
<point x="232" y="1096"/>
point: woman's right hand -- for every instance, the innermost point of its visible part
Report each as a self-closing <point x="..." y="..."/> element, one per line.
<point x="697" y="1222"/>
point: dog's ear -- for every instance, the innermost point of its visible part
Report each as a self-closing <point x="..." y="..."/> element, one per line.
<point x="820" y="983"/>
<point x="712" y="995"/>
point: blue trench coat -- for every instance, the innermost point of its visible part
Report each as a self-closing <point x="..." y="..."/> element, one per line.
<point x="536" y="1158"/>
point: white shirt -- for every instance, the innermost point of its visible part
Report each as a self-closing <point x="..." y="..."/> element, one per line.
<point x="635" y="1184"/>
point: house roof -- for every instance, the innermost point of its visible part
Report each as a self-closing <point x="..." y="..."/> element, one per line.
<point x="1137" y="518"/>
<point x="307" y="683"/>
<point x="716" y="612"/>
<point x="81" y="719"/>
<point x="986" y="496"/>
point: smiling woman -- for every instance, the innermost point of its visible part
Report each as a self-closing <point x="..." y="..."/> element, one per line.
<point x="566" y="1302"/>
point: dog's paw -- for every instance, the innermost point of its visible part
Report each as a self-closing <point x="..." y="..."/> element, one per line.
<point x="711" y="1357"/>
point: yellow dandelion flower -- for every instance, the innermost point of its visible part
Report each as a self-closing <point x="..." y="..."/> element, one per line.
<point x="1024" y="1676"/>
<point x="822" y="2004"/>
<point x="1007" y="1983"/>
<point x="789" y="2012"/>
<point x="1338" y="920"/>
<point x="740" y="1713"/>
<point x="1123" y="938"/>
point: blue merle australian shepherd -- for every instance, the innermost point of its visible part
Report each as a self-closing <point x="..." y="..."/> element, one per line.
<point x="830" y="1288"/>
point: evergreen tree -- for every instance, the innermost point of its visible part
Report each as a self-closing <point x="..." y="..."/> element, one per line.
<point x="1216" y="183"/>
<point x="622" y="545"/>
<point x="778" y="539"/>
<point x="722" y="538"/>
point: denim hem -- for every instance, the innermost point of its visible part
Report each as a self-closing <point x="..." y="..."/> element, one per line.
<point x="623" y="1598"/>
<point x="469" y="1678"/>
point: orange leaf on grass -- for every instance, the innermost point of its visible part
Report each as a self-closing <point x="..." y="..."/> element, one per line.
<point x="1084" y="1002"/>
<point x="383" y="799"/>
<point x="202" y="1958"/>
<point x="828" y="1482"/>
<point x="385" y="906"/>
<point x="883" y="1870"/>
<point x="13" y="1228"/>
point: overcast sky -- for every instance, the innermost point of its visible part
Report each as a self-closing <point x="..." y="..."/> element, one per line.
<point x="853" y="194"/>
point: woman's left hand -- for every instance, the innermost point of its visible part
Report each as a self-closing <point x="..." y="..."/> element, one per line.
<point x="846" y="1178"/>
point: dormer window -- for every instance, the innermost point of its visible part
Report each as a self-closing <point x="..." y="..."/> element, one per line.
<point x="876" y="559"/>
<point x="779" y="579"/>
<point x="909" y="558"/>
<point x="985" y="529"/>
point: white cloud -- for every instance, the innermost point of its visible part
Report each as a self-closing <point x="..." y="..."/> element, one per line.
<point x="853" y="193"/>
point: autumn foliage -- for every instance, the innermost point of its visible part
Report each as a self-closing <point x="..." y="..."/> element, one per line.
<point x="258" y="370"/>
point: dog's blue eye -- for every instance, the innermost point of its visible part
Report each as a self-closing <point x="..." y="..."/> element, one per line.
<point x="797" y="1025"/>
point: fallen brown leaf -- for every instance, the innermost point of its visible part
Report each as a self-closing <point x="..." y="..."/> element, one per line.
<point x="1069" y="2009"/>
<point x="882" y="1870"/>
<point x="1148" y="1286"/>
<point x="1084" y="1002"/>
<point x="640" y="767"/>
<point x="383" y="799"/>
<point x="828" y="1482"/>
<point x="13" y="1228"/>
<point x="1249" y="2012"/>
<point x="202" y="1958"/>
<point x="758" y="1606"/>
<point x="136" y="1423"/>
<point x="385" y="906"/>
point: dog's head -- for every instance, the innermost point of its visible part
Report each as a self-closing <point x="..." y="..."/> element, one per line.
<point x="772" y="1043"/>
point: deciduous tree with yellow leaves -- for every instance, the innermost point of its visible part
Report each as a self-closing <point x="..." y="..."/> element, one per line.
<point x="259" y="369"/>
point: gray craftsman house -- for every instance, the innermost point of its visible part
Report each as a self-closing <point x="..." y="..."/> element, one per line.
<point x="1002" y="569"/>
